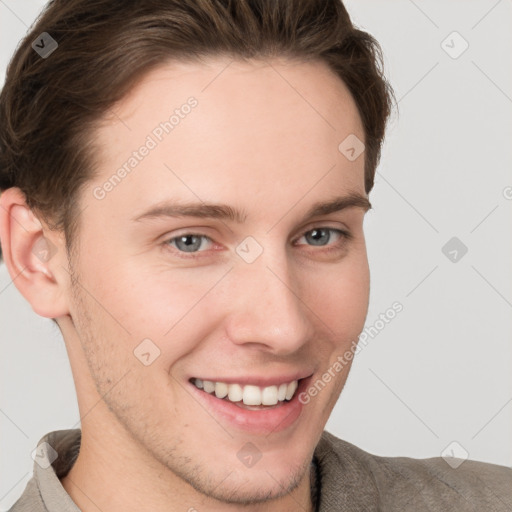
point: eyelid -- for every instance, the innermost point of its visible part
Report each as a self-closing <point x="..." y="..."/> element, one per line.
<point x="325" y="225"/>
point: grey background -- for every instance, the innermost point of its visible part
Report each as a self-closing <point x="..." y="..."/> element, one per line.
<point x="440" y="371"/>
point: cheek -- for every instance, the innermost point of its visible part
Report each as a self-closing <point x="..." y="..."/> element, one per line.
<point x="166" y="306"/>
<point x="340" y="297"/>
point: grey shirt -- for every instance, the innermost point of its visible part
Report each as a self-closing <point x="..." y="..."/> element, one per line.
<point x="346" y="479"/>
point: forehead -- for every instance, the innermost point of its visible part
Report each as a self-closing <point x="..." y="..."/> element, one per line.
<point x="255" y="128"/>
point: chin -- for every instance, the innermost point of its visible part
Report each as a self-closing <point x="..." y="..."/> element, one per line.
<point x="252" y="486"/>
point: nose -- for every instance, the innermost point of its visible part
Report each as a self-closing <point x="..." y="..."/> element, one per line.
<point x="267" y="307"/>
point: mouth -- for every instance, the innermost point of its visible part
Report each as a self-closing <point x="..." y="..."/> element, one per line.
<point x="248" y="395"/>
<point x="253" y="408"/>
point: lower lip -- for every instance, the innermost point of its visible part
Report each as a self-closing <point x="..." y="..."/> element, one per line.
<point x="262" y="421"/>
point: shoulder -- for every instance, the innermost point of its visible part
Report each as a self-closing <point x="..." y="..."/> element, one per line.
<point x="57" y="452"/>
<point x="422" y="484"/>
<point x="30" y="500"/>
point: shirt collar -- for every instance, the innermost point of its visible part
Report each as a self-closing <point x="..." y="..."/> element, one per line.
<point x="54" y="456"/>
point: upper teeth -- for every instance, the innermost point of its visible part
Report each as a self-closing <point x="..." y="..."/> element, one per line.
<point x="250" y="395"/>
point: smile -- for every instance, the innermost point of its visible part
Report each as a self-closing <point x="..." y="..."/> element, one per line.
<point x="249" y="394"/>
<point x="257" y="405"/>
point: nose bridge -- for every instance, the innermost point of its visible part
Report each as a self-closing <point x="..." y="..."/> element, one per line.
<point x="267" y="308"/>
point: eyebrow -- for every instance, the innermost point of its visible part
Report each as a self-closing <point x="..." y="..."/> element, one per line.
<point x="226" y="212"/>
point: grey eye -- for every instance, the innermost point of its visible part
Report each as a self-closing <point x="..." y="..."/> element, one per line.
<point x="188" y="242"/>
<point x="319" y="236"/>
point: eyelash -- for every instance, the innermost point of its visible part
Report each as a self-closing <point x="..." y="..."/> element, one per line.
<point x="345" y="236"/>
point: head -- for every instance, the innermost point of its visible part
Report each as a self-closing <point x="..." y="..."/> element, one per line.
<point x="184" y="186"/>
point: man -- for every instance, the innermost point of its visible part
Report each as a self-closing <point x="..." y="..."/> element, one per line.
<point x="183" y="190"/>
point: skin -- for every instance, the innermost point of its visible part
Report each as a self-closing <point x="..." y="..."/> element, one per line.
<point x="263" y="138"/>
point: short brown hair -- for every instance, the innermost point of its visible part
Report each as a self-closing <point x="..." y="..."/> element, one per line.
<point x="50" y="106"/>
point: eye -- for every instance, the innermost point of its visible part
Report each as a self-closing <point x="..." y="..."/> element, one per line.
<point x="188" y="242"/>
<point x="187" y="245"/>
<point x="321" y="236"/>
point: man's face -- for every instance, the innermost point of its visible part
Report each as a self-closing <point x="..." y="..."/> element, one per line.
<point x="163" y="300"/>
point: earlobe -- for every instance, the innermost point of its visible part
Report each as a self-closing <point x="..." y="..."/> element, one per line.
<point x="30" y="257"/>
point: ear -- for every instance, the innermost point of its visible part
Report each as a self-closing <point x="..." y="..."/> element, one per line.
<point x="35" y="257"/>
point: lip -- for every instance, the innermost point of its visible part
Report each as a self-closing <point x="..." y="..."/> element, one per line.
<point x="259" y="422"/>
